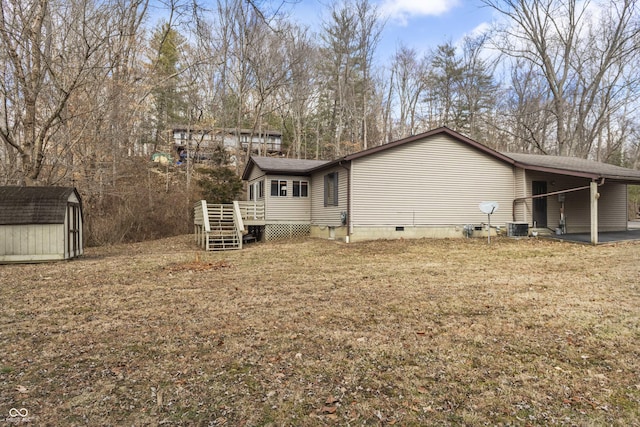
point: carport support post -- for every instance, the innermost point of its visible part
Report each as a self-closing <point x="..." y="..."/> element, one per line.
<point x="594" y="211"/>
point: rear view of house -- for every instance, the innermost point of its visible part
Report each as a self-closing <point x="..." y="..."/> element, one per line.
<point x="431" y="185"/>
<point x="40" y="224"/>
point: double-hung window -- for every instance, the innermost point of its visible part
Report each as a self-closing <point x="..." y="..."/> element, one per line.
<point x="331" y="189"/>
<point x="300" y="189"/>
<point x="278" y="188"/>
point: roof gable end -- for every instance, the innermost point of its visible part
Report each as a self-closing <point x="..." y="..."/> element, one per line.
<point x="439" y="131"/>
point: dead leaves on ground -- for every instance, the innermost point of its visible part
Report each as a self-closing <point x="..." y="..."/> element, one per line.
<point x="314" y="334"/>
<point x="329" y="409"/>
<point x="199" y="265"/>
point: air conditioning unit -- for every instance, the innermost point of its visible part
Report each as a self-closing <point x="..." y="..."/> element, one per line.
<point x="517" y="229"/>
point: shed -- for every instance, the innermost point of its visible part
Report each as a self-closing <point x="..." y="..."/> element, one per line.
<point x="40" y="224"/>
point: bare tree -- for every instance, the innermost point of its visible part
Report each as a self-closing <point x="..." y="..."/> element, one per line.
<point x="49" y="51"/>
<point x="583" y="51"/>
<point x="349" y="40"/>
<point x="300" y="93"/>
<point x="370" y="29"/>
<point x="529" y="121"/>
<point x="478" y="91"/>
<point x="409" y="83"/>
<point x="271" y="69"/>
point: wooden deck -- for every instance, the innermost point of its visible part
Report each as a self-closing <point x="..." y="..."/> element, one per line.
<point x="252" y="213"/>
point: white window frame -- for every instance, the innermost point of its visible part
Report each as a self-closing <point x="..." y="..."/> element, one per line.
<point x="281" y="189"/>
<point x="300" y="184"/>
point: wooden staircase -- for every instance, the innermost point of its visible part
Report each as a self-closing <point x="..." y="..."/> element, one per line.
<point x="224" y="233"/>
<point x="218" y="227"/>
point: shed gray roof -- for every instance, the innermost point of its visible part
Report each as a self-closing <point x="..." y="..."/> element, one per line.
<point x="34" y="205"/>
<point x="280" y="165"/>
<point x="574" y="166"/>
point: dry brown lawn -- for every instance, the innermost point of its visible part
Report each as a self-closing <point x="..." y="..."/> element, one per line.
<point x="313" y="332"/>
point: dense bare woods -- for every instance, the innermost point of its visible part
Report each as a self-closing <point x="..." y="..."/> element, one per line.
<point x="585" y="58"/>
<point x="91" y="87"/>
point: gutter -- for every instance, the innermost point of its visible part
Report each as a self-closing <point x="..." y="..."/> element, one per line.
<point x="348" y="169"/>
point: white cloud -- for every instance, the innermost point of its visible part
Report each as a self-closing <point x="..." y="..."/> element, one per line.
<point x="402" y="11"/>
<point x="480" y="29"/>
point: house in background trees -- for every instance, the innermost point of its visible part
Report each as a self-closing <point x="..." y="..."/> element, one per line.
<point x="200" y="142"/>
<point x="431" y="185"/>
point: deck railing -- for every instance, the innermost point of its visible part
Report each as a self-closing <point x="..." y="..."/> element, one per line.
<point x="201" y="224"/>
<point x="239" y="223"/>
<point x="251" y="211"/>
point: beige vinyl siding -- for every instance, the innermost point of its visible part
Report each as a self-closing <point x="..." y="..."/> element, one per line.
<point x="328" y="215"/>
<point x="27" y="240"/>
<point x="256" y="173"/>
<point x="612" y="207"/>
<point x="574" y="202"/>
<point x="433" y="182"/>
<point x="289" y="208"/>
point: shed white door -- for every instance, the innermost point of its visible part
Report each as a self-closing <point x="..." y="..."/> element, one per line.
<point x="74" y="225"/>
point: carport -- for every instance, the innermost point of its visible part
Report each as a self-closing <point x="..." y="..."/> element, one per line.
<point x="593" y="176"/>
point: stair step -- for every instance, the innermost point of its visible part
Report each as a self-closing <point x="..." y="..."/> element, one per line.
<point x="543" y="231"/>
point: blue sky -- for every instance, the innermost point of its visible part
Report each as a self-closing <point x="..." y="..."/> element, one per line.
<point x="418" y="24"/>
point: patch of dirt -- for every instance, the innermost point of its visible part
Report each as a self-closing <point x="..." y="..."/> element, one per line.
<point x="198" y="266"/>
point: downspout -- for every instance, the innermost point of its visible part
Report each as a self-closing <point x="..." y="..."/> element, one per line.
<point x="348" y="169"/>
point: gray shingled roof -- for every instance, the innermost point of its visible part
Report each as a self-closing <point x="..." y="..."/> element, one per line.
<point x="33" y="205"/>
<point x="280" y="165"/>
<point x="574" y="165"/>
